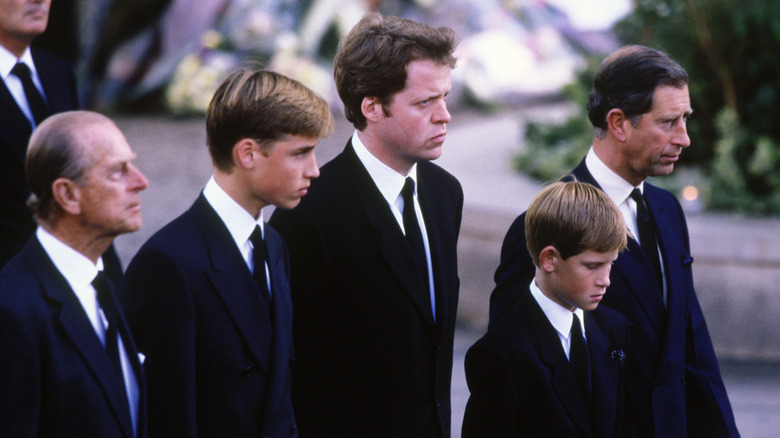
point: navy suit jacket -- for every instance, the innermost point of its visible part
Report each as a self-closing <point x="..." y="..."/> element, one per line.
<point x="371" y="361"/>
<point x="676" y="387"/>
<point x="16" y="220"/>
<point x="522" y="384"/>
<point x="218" y="360"/>
<point x="56" y="379"/>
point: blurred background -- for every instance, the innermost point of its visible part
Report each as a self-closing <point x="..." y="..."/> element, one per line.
<point x="518" y="103"/>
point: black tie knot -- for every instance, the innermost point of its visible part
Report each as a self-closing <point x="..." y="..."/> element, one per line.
<point x="258" y="259"/>
<point x="408" y="191"/>
<point x="37" y="105"/>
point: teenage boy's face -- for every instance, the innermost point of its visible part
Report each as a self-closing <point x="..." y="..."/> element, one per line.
<point x="285" y="171"/>
<point x="581" y="280"/>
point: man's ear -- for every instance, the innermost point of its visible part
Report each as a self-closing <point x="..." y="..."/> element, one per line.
<point x="68" y="195"/>
<point x="549" y="258"/>
<point x="246" y="152"/>
<point x="372" y="109"/>
<point x="617" y="124"/>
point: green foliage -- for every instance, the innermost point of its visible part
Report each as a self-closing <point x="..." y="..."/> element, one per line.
<point x="729" y="48"/>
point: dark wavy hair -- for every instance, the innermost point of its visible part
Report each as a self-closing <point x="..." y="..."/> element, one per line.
<point x="372" y="59"/>
<point x="627" y="80"/>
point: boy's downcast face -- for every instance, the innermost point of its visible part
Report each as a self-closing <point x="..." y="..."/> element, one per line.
<point x="581" y="280"/>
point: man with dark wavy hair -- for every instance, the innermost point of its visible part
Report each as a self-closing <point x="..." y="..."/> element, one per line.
<point x="639" y="108"/>
<point x="373" y="246"/>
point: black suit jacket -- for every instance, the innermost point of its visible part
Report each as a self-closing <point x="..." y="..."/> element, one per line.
<point x="676" y="387"/>
<point x="56" y="379"/>
<point x="370" y="359"/>
<point x="522" y="384"/>
<point x="218" y="360"/>
<point x="16" y="221"/>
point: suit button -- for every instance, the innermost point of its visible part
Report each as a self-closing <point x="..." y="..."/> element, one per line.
<point x="247" y="371"/>
<point x="438" y="404"/>
<point x="682" y="379"/>
<point x="292" y="362"/>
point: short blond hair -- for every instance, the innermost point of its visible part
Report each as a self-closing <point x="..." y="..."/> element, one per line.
<point x="573" y="217"/>
<point x="263" y="106"/>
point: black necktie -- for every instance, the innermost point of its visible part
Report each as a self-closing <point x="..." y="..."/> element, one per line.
<point x="413" y="233"/>
<point x="258" y="258"/>
<point x="646" y="229"/>
<point x="38" y="107"/>
<point x="105" y="296"/>
<point x="580" y="360"/>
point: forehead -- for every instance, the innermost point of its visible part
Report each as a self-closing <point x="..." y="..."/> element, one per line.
<point x="427" y="76"/>
<point x="667" y="98"/>
<point x="104" y="142"/>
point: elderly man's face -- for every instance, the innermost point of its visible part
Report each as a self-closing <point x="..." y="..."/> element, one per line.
<point x="22" y="20"/>
<point x="110" y="188"/>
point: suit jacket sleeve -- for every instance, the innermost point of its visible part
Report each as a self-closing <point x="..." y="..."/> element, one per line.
<point x="20" y="384"/>
<point x="493" y="404"/>
<point x="161" y="315"/>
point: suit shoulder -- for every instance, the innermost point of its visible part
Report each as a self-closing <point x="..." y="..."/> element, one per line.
<point x="427" y="169"/>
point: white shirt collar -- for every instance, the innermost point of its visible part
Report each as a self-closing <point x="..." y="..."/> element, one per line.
<point x="238" y="221"/>
<point x="613" y="184"/>
<point x="388" y="181"/>
<point x="560" y="317"/>
<point x="77" y="269"/>
<point x="8" y="60"/>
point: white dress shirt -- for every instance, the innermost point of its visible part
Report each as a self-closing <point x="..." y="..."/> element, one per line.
<point x="619" y="191"/>
<point x="238" y="221"/>
<point x="389" y="182"/>
<point x="560" y="317"/>
<point x="79" y="272"/>
<point x="14" y="84"/>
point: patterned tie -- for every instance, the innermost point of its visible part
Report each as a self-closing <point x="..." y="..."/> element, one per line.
<point x="38" y="107"/>
<point x="107" y="302"/>
<point x="646" y="229"/>
<point x="580" y="360"/>
<point x="413" y="233"/>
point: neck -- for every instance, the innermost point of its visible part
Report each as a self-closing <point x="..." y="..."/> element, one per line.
<point x="607" y="151"/>
<point x="14" y="45"/>
<point x="375" y="146"/>
<point x="235" y="185"/>
<point x="92" y="247"/>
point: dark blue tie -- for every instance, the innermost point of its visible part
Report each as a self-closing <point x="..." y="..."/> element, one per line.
<point x="38" y="107"/>
<point x="105" y="297"/>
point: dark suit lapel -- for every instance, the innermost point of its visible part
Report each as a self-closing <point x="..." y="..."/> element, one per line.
<point x="233" y="282"/>
<point x="563" y="381"/>
<point x="75" y="324"/>
<point x="282" y="322"/>
<point x="15" y="129"/>
<point x="434" y="215"/>
<point x="604" y="379"/>
<point x="60" y="93"/>
<point x="392" y="243"/>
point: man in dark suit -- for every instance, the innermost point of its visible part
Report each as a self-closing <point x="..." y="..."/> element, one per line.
<point x="374" y="271"/>
<point x="51" y="83"/>
<point x="534" y="373"/>
<point x="208" y="296"/>
<point x="639" y="107"/>
<point x="69" y="366"/>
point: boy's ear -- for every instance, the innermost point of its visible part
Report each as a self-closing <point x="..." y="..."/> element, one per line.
<point x="245" y="153"/>
<point x="548" y="258"/>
